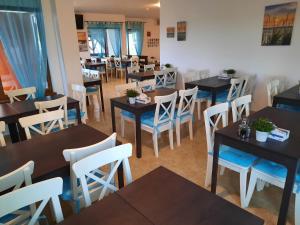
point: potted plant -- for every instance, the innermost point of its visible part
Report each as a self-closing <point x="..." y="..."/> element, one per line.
<point x="229" y="72"/>
<point x="132" y="94"/>
<point x="168" y="65"/>
<point x="262" y="127"/>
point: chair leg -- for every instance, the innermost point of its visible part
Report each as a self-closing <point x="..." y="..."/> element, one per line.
<point x="171" y="137"/>
<point x="260" y="184"/>
<point x="155" y="143"/>
<point x="243" y="188"/>
<point x="297" y="209"/>
<point x="90" y="99"/>
<point x="122" y="126"/>
<point x="191" y="129"/>
<point x="199" y="109"/>
<point x="251" y="187"/>
<point x="178" y="132"/>
<point x="99" y="100"/>
<point x="222" y="170"/>
<point x="208" y="171"/>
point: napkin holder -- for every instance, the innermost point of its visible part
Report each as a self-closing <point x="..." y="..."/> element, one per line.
<point x="279" y="134"/>
<point x="143" y="99"/>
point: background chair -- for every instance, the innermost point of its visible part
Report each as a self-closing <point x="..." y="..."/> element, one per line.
<point x="14" y="94"/>
<point x="159" y="79"/>
<point x="147" y="85"/>
<point x="134" y="61"/>
<point x="149" y="67"/>
<point x="241" y="106"/>
<point x="185" y="111"/>
<point x="94" y="91"/>
<point x="78" y="93"/>
<point x="84" y="170"/>
<point x="170" y="77"/>
<point x="119" y="67"/>
<point x="131" y="70"/>
<point x="2" y="130"/>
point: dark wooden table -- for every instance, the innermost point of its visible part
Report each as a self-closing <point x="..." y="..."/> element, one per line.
<point x="95" y="66"/>
<point x="211" y="84"/>
<point x="46" y="152"/>
<point x="163" y="198"/>
<point x="140" y="76"/>
<point x="137" y="109"/>
<point x="286" y="153"/>
<point x="89" y="82"/>
<point x="11" y="112"/>
<point x="288" y="97"/>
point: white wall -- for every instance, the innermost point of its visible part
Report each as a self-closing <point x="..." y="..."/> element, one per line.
<point x="227" y="34"/>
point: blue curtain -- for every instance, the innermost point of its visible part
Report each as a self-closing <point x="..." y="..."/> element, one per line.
<point x="98" y="35"/>
<point x="114" y="36"/>
<point x="23" y="38"/>
<point x="137" y="28"/>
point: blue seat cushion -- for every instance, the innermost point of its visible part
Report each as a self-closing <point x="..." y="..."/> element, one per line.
<point x="11" y="216"/>
<point x="236" y="156"/>
<point x="203" y="94"/>
<point x="222" y="96"/>
<point x="72" y="115"/>
<point x="288" y="107"/>
<point x="91" y="89"/>
<point x="127" y="114"/>
<point x="148" y="119"/>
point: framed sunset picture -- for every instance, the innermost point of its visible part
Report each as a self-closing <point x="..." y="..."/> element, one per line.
<point x="278" y="24"/>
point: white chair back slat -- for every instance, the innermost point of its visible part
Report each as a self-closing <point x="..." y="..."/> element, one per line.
<point x="235" y="89"/>
<point x="170" y="77"/>
<point x="79" y="93"/>
<point x="134" y="69"/>
<point x="187" y="102"/>
<point x="147" y="85"/>
<point x="85" y="72"/>
<point x="241" y="106"/>
<point x="121" y="89"/>
<point x="94" y="74"/>
<point x="150" y="67"/>
<point x="134" y="61"/>
<point x="43" y="192"/>
<point x="165" y="108"/>
<point x="84" y="168"/>
<point x="118" y="62"/>
<point x="14" y="94"/>
<point x="159" y="77"/>
<point x="51" y="118"/>
<point x="272" y="90"/>
<point x="2" y="130"/>
<point x="219" y="113"/>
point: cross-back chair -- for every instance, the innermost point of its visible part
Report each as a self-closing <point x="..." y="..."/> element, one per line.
<point x="170" y="77"/>
<point x="15" y="94"/>
<point x="159" y="77"/>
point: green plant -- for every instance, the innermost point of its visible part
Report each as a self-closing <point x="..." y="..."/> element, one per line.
<point x="131" y="93"/>
<point x="168" y="65"/>
<point x="230" y="71"/>
<point x="263" y="125"/>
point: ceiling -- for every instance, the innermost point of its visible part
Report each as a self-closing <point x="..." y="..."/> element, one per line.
<point x="129" y="8"/>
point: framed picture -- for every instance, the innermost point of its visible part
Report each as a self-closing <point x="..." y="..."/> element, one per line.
<point x="279" y="24"/>
<point x="181" y="31"/>
<point x="170" y="32"/>
<point x="148" y="34"/>
<point x="82" y="41"/>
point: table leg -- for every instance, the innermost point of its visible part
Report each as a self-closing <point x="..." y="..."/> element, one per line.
<point x="275" y="102"/>
<point x="101" y="96"/>
<point x="126" y="75"/>
<point x="287" y="191"/>
<point x="77" y="107"/>
<point x="106" y="75"/>
<point x="214" y="176"/>
<point x="13" y="131"/>
<point x="113" y="116"/>
<point x="120" y="176"/>
<point x="213" y="97"/>
<point x="21" y="131"/>
<point x="138" y="136"/>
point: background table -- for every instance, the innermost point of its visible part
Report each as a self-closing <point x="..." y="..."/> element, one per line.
<point x="97" y="66"/>
<point x="89" y="82"/>
<point x="140" y="76"/>
<point x="137" y="109"/>
<point x="211" y="84"/>
<point x="288" y="97"/>
<point x="46" y="152"/>
<point x="286" y="153"/>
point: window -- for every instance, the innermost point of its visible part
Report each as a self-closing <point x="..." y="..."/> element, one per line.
<point x="132" y="43"/>
<point x="95" y="46"/>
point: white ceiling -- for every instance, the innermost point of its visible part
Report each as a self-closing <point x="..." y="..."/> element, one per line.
<point x="129" y="8"/>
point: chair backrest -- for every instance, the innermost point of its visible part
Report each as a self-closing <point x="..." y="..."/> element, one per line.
<point x="204" y="74"/>
<point x="191" y="75"/>
<point x="149" y="67"/>
<point x="14" y="94"/>
<point x="272" y="90"/>
<point x="147" y="85"/>
<point x="85" y="72"/>
<point x="84" y="169"/>
<point x="187" y="102"/>
<point x="121" y="88"/>
<point x="241" y="106"/>
<point x="2" y="130"/>
<point x="235" y="89"/>
<point x="59" y="103"/>
<point x="134" y="69"/>
<point x="165" y="108"/>
<point x="170" y="76"/>
<point x="50" y="118"/>
<point x="79" y="93"/>
<point x="118" y="62"/>
<point x="249" y="84"/>
<point x="212" y="118"/>
<point x="159" y="77"/>
<point x="43" y="192"/>
<point x="94" y="74"/>
<point x="134" y="61"/>
<point x="76" y="154"/>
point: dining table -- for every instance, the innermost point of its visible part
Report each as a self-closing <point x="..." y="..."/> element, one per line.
<point x="214" y="85"/>
<point x="90" y="82"/>
<point x="285" y="153"/>
<point x="162" y="197"/>
<point x="290" y="96"/>
<point x="11" y="112"/>
<point x="137" y="109"/>
<point x="140" y="76"/>
<point x="46" y="151"/>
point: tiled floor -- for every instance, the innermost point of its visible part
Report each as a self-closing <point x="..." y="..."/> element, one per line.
<point x="188" y="160"/>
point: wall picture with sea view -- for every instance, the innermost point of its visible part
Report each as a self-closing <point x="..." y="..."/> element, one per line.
<point x="278" y="24"/>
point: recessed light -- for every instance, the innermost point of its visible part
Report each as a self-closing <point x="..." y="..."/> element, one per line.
<point x="157" y="4"/>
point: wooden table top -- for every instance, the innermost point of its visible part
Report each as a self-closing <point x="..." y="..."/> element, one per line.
<point x="46" y="151"/>
<point x="142" y="74"/>
<point x="290" y="96"/>
<point x="209" y="83"/>
<point x="281" y="118"/>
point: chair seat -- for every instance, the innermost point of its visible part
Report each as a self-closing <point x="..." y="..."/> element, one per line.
<point x="72" y="115"/>
<point x="11" y="216"/>
<point x="148" y="119"/>
<point x="289" y="107"/>
<point x="92" y="89"/>
<point x="236" y="156"/>
<point x="203" y="94"/>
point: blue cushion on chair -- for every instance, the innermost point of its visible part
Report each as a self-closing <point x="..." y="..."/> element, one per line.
<point x="203" y="94"/>
<point x="148" y="119"/>
<point x="12" y="216"/>
<point x="127" y="114"/>
<point x="91" y="89"/>
<point x="236" y="156"/>
<point x="72" y="115"/>
<point x="288" y="107"/>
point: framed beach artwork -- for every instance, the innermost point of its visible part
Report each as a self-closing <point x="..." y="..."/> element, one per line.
<point x="181" y="31"/>
<point x="278" y="24"/>
<point x="82" y="41"/>
<point x="170" y="32"/>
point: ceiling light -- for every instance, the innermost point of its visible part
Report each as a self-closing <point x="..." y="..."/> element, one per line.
<point x="157" y="4"/>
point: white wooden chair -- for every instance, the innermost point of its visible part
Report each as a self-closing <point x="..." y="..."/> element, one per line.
<point x="59" y="103"/>
<point x="13" y="181"/>
<point x="272" y="90"/>
<point x="229" y="157"/>
<point x="185" y="111"/>
<point x="14" y="94"/>
<point x="44" y="192"/>
<point x="78" y="93"/>
<point x="170" y="77"/>
<point x="85" y="169"/>
<point x="85" y="72"/>
<point x="119" y="67"/>
<point x="241" y="106"/>
<point x="249" y="85"/>
<point x="134" y="69"/>
<point x="72" y="190"/>
<point x="50" y="119"/>
<point x="125" y="115"/>
<point x="94" y="90"/>
<point x="161" y="120"/>
<point x="149" y="67"/>
<point x="159" y="77"/>
<point x="109" y="66"/>
<point x="134" y="61"/>
<point x="147" y="85"/>
<point x="2" y="130"/>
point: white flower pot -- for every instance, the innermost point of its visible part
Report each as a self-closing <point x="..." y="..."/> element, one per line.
<point x="262" y="136"/>
<point x="131" y="100"/>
